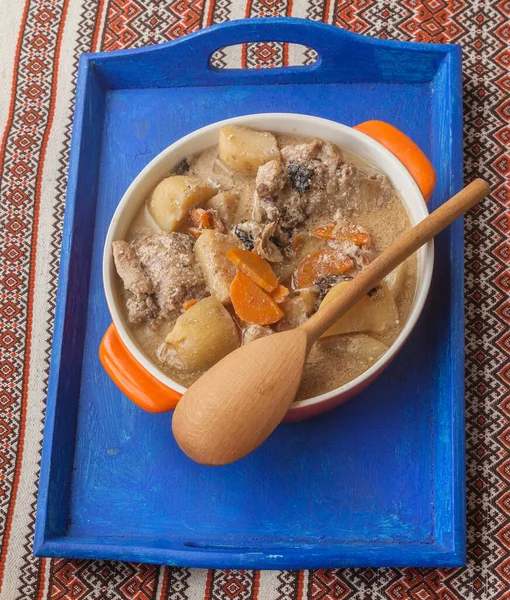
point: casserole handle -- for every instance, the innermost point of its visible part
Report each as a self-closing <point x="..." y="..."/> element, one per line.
<point x="413" y="159"/>
<point x="131" y="378"/>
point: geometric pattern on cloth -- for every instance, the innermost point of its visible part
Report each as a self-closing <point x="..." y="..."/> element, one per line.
<point x="41" y="41"/>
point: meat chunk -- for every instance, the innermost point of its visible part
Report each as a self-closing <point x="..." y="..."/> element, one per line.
<point x="361" y="189"/>
<point x="271" y="179"/>
<point x="346" y="181"/>
<point x="130" y="269"/>
<point x="288" y="209"/>
<point x="330" y="156"/>
<point x="313" y="171"/>
<point x="267" y="209"/>
<point x="169" y="261"/>
<point x="353" y="241"/>
<point x="247" y="232"/>
<point x="141" y="308"/>
<point x="304" y="184"/>
<point x="268" y="240"/>
<point x="159" y="272"/>
<point x="316" y="155"/>
<point x="374" y="188"/>
<point x="300" y="153"/>
<point x="265" y="244"/>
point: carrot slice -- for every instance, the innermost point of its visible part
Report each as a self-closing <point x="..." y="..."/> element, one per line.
<point x="200" y="219"/>
<point x="251" y="303"/>
<point x="254" y="267"/>
<point x="187" y="304"/>
<point x="280" y="293"/>
<point x="328" y="232"/>
<point x="325" y="232"/>
<point x="298" y="242"/>
<point x="320" y="263"/>
<point x="359" y="238"/>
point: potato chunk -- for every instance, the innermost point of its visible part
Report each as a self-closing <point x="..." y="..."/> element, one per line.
<point x="372" y="313"/>
<point x="225" y="205"/>
<point x="203" y="335"/>
<point x="244" y="150"/>
<point x="210" y="250"/>
<point x="396" y="279"/>
<point x="174" y="196"/>
<point x="298" y="308"/>
<point x="294" y="310"/>
<point x="366" y="349"/>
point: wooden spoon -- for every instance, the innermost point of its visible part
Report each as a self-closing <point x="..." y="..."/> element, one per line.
<point x="235" y="406"/>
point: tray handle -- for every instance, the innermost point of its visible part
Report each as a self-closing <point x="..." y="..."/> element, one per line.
<point x="403" y="147"/>
<point x="338" y="51"/>
<point x="131" y="378"/>
<point x="343" y="56"/>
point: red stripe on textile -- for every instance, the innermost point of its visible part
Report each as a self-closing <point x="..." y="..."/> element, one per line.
<point x="208" y="584"/>
<point x="288" y="13"/>
<point x="41" y="579"/>
<point x="300" y="582"/>
<point x="244" y="52"/>
<point x="256" y="585"/>
<point x="285" y="55"/>
<point x="164" y="583"/>
<point x="326" y="11"/>
<point x="97" y="29"/>
<point x="211" y="13"/>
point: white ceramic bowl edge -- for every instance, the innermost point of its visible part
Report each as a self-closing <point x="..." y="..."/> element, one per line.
<point x="304" y="125"/>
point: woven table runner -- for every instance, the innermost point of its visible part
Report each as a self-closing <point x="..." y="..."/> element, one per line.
<point x="40" y="42"/>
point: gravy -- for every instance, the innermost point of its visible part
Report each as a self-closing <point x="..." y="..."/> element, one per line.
<point x="333" y="361"/>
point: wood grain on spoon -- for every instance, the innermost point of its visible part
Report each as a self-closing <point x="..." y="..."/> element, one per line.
<point x="237" y="404"/>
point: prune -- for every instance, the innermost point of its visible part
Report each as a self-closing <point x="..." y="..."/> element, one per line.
<point x="245" y="237"/>
<point x="374" y="291"/>
<point x="300" y="176"/>
<point x="182" y="167"/>
<point x="277" y="241"/>
<point x="326" y="282"/>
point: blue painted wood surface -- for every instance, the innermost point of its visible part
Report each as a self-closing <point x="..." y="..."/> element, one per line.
<point x="379" y="481"/>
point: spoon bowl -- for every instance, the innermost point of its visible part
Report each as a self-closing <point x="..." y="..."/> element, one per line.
<point x="266" y="369"/>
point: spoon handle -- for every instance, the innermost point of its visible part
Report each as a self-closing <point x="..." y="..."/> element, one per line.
<point x="395" y="254"/>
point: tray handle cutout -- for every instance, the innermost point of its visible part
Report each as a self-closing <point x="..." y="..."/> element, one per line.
<point x="403" y="147"/>
<point x="131" y="378"/>
<point x="332" y="45"/>
<point x="294" y="55"/>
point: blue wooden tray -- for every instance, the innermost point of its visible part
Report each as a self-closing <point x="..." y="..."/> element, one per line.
<point x="379" y="481"/>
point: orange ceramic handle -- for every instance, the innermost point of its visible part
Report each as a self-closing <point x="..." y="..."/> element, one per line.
<point x="131" y="378"/>
<point x="413" y="159"/>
